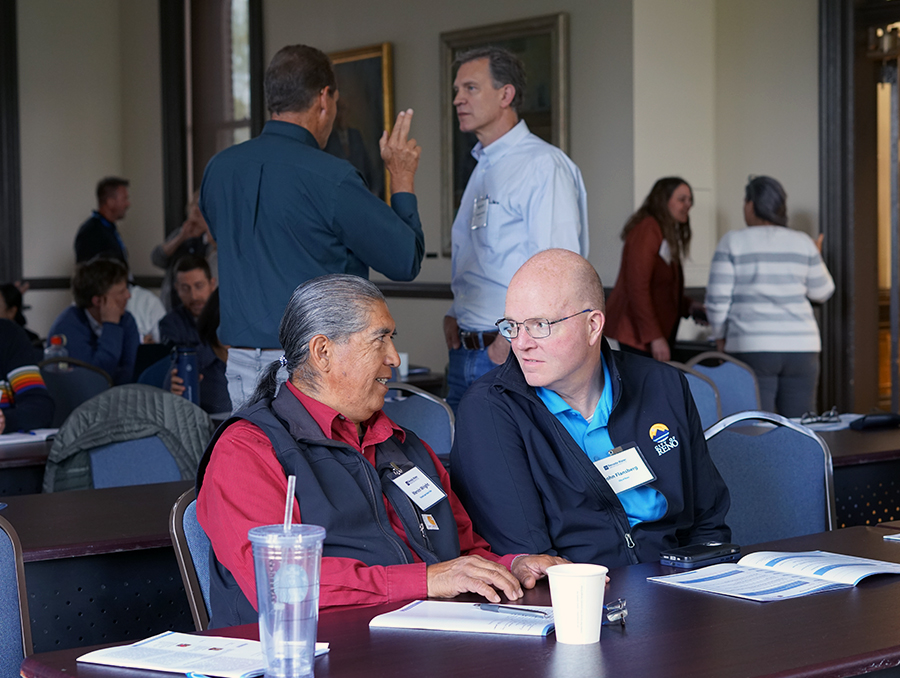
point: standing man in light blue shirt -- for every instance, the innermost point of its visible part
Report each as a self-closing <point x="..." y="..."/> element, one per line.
<point x="524" y="196"/>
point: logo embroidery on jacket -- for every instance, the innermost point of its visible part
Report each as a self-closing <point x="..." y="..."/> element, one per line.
<point x="663" y="439"/>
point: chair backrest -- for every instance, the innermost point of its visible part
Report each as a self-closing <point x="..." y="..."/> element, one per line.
<point x="192" y="550"/>
<point x="426" y="415"/>
<point x="779" y="476"/>
<point x="15" y="624"/>
<point x="705" y="393"/>
<point x="133" y="414"/>
<point x="157" y="373"/>
<point x="142" y="461"/>
<point x="79" y="382"/>
<point x="736" y="381"/>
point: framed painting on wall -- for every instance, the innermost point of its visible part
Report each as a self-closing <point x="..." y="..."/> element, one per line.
<point x="542" y="45"/>
<point x="365" y="109"/>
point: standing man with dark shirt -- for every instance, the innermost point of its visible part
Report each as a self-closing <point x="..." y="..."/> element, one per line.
<point x="99" y="235"/>
<point x="283" y="211"/>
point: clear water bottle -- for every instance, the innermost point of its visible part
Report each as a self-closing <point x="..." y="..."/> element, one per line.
<point x="56" y="348"/>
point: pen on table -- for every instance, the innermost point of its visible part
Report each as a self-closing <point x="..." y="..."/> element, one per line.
<point x="511" y="609"/>
<point x="2" y="506"/>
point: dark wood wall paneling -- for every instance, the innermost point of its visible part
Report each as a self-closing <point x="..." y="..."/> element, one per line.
<point x="10" y="182"/>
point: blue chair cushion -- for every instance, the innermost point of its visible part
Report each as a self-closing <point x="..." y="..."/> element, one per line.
<point x="133" y="462"/>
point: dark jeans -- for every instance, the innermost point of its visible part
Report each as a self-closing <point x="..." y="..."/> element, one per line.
<point x="787" y="381"/>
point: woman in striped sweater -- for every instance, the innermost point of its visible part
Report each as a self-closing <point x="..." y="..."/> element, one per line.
<point x="761" y="283"/>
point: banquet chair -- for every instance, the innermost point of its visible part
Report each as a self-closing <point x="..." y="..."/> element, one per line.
<point x="192" y="549"/>
<point x="778" y="473"/>
<point x="78" y="383"/>
<point x="129" y="435"/>
<point x="425" y="414"/>
<point x="705" y="394"/>
<point x="15" y="623"/>
<point x="735" y="380"/>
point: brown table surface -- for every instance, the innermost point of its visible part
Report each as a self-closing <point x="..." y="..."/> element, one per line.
<point x="24" y="454"/>
<point x="849" y="447"/>
<point x="89" y="522"/>
<point x="670" y="632"/>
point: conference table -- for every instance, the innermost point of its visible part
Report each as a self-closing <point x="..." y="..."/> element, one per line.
<point x="22" y="463"/>
<point x="866" y="475"/>
<point x="670" y="632"/>
<point x="99" y="564"/>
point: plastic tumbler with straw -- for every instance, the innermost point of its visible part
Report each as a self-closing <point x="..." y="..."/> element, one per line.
<point x="287" y="559"/>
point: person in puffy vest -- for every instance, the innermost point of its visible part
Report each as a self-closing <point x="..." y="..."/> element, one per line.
<point x="325" y="426"/>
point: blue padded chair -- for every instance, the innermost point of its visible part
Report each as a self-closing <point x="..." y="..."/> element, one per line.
<point x="131" y="434"/>
<point x="705" y="393"/>
<point x="192" y="550"/>
<point x="736" y="381"/>
<point x="157" y="374"/>
<point x="78" y="383"/>
<point x="133" y="462"/>
<point x="779" y="475"/>
<point x="425" y="414"/>
<point x="15" y="624"/>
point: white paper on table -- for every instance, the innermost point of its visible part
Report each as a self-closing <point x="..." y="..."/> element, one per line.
<point x="35" y="436"/>
<point x="778" y="575"/>
<point x="187" y="653"/>
<point x="446" y="615"/>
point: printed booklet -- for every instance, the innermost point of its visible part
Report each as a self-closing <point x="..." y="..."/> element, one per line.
<point x="778" y="575"/>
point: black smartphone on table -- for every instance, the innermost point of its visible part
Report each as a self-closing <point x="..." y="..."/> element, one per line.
<point x="700" y="555"/>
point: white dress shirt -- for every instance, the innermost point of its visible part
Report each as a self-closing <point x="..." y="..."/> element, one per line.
<point x="535" y="201"/>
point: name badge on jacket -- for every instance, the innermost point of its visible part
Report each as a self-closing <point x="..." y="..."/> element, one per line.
<point x="625" y="468"/>
<point x="420" y="488"/>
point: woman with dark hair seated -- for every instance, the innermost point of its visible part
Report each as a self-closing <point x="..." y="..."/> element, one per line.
<point x="648" y="299"/>
<point x="761" y="283"/>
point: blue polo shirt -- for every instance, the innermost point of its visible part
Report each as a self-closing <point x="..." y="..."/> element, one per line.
<point x="641" y="504"/>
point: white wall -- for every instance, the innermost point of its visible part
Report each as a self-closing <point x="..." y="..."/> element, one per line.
<point x="674" y="112"/>
<point x="600" y="103"/>
<point x="767" y="105"/>
<point x="89" y="106"/>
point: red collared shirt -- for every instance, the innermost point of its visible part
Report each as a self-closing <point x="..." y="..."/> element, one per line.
<point x="245" y="486"/>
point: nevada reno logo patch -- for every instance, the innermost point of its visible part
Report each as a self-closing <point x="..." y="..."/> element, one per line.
<point x="662" y="438"/>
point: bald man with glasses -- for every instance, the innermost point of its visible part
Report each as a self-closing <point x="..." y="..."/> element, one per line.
<point x="575" y="450"/>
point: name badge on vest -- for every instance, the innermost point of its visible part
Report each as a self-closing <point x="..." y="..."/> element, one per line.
<point x="625" y="468"/>
<point x="480" y="213"/>
<point x="419" y="487"/>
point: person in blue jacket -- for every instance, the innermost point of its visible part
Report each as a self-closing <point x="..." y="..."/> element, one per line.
<point x="97" y="328"/>
<point x="575" y="450"/>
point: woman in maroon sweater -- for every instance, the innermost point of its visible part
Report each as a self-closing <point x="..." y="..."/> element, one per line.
<point x="648" y="299"/>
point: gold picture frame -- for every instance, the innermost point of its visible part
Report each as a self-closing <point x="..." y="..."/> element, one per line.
<point x="543" y="45"/>
<point x="365" y="81"/>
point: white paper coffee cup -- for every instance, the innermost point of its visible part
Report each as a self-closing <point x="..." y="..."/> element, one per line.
<point x="403" y="368"/>
<point x="576" y="590"/>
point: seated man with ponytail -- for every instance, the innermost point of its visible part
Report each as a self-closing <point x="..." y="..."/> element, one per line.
<point x="326" y="427"/>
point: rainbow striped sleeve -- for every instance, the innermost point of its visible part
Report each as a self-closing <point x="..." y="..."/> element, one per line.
<point x="25" y="378"/>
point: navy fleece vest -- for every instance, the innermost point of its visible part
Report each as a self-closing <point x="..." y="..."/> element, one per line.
<point x="338" y="489"/>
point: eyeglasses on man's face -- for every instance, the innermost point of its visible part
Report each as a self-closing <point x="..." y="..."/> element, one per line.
<point x="537" y="328"/>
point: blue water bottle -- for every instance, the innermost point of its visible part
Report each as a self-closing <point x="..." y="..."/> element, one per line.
<point x="187" y="370"/>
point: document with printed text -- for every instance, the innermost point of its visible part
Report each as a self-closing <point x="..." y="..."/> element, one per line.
<point x="777" y="575"/>
<point x="441" y="615"/>
<point x="186" y="653"/>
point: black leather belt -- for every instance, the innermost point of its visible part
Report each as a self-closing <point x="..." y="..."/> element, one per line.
<point x="476" y="341"/>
